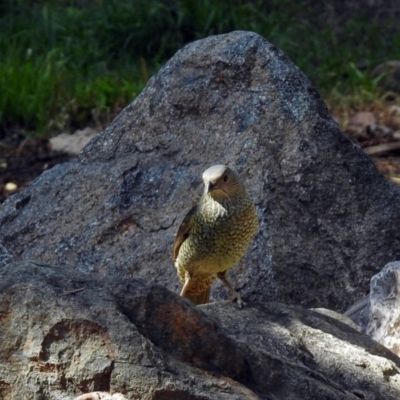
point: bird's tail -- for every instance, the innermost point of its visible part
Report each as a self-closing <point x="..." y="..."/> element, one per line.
<point x="198" y="298"/>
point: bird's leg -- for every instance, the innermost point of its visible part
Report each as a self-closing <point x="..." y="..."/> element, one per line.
<point x="224" y="279"/>
<point x="185" y="286"/>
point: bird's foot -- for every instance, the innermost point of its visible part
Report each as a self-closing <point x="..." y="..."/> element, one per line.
<point x="237" y="299"/>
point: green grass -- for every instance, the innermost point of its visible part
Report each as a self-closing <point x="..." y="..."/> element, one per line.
<point x="68" y="63"/>
<point x="45" y="93"/>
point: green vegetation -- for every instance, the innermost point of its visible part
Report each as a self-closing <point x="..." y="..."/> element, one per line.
<point x="67" y="63"/>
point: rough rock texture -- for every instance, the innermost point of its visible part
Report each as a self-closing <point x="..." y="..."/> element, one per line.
<point x="143" y="341"/>
<point x="378" y="314"/>
<point x="384" y="307"/>
<point x="328" y="217"/>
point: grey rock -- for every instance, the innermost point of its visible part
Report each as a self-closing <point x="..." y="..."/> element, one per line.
<point x="58" y="345"/>
<point x="327" y="216"/>
<point x="139" y="339"/>
<point x="379" y="312"/>
<point x="384" y="307"/>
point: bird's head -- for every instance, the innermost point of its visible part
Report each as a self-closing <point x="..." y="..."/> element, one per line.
<point x="221" y="182"/>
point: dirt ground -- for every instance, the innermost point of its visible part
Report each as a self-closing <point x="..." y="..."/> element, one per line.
<point x="377" y="131"/>
<point x="22" y="160"/>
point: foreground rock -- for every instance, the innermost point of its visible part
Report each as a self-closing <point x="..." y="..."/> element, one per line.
<point x="64" y="335"/>
<point x="328" y="217"/>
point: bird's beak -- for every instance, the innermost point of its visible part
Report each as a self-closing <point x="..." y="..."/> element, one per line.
<point x="210" y="187"/>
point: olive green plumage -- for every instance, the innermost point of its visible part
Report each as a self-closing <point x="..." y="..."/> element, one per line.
<point x="215" y="234"/>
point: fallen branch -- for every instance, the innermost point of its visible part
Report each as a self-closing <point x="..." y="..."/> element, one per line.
<point x="381" y="148"/>
<point x="395" y="179"/>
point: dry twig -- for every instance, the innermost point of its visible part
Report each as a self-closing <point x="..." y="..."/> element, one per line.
<point x="73" y="291"/>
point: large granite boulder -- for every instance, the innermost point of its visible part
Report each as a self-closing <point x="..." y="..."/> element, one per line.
<point x="64" y="334"/>
<point x="328" y="218"/>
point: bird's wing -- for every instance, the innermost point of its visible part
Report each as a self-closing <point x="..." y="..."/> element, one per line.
<point x="183" y="231"/>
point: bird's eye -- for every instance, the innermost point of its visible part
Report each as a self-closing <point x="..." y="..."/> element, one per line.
<point x="225" y="178"/>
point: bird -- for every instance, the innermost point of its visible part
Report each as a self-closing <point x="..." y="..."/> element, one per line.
<point x="214" y="235"/>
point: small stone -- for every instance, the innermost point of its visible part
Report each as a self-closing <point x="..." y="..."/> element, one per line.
<point x="11" y="187"/>
<point x="363" y="118"/>
<point x="394" y="115"/>
<point x="72" y="144"/>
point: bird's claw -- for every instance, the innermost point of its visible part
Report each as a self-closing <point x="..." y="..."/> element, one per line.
<point x="239" y="301"/>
